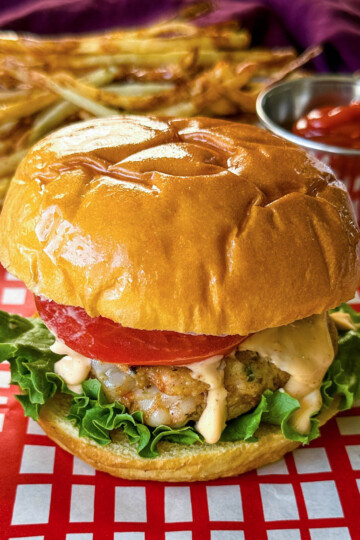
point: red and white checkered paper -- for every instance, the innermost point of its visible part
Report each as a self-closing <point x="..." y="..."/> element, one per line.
<point x="47" y="494"/>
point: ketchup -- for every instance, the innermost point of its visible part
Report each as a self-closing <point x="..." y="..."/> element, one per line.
<point x="336" y="126"/>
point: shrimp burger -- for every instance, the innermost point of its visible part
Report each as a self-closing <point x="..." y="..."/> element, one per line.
<point x="189" y="278"/>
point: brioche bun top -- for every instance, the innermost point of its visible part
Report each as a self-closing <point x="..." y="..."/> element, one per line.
<point x="193" y="225"/>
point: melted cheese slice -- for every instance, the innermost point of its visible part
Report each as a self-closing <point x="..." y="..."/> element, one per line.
<point x="304" y="350"/>
<point x="212" y="421"/>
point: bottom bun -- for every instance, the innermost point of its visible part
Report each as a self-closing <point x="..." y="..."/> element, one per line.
<point x="176" y="462"/>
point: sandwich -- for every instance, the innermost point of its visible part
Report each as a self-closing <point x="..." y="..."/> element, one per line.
<point x="189" y="277"/>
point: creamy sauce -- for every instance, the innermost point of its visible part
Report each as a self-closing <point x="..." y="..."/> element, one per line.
<point x="343" y="321"/>
<point x="74" y="368"/>
<point x="212" y="421"/>
<point x="304" y="350"/>
<point x="309" y="404"/>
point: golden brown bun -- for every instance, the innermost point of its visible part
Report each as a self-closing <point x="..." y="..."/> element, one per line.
<point x="176" y="463"/>
<point x="193" y="225"/>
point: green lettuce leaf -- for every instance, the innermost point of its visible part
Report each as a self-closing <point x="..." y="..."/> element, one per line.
<point x="274" y="408"/>
<point x="97" y="418"/>
<point x="343" y="376"/>
<point x="183" y="435"/>
<point x="25" y="343"/>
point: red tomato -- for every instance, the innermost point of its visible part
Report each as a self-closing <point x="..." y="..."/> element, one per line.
<point x="108" y="341"/>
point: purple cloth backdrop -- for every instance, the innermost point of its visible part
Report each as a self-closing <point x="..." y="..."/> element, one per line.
<point x="335" y="23"/>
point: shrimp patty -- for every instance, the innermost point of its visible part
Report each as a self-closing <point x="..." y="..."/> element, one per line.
<point x="170" y="395"/>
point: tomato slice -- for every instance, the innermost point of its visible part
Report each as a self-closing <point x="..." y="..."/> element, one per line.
<point x="108" y="341"/>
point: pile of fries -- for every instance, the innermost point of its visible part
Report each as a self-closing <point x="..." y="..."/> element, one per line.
<point x="171" y="69"/>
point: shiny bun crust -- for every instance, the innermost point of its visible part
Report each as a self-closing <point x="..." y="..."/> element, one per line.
<point x="192" y="225"/>
<point x="176" y="463"/>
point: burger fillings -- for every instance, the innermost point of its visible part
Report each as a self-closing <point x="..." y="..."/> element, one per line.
<point x="304" y="350"/>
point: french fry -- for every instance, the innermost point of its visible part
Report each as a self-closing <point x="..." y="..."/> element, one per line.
<point x="9" y="163"/>
<point x="124" y="102"/>
<point x="4" y="185"/>
<point x="7" y="96"/>
<point x="295" y="64"/>
<point x="136" y="89"/>
<point x="152" y="60"/>
<point x="158" y="38"/>
<point x="80" y="101"/>
<point x="51" y="118"/>
<point x="7" y="128"/>
<point x="183" y="108"/>
<point x="36" y="102"/>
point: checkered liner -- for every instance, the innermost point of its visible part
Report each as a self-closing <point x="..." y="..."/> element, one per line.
<point x="47" y="494"/>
